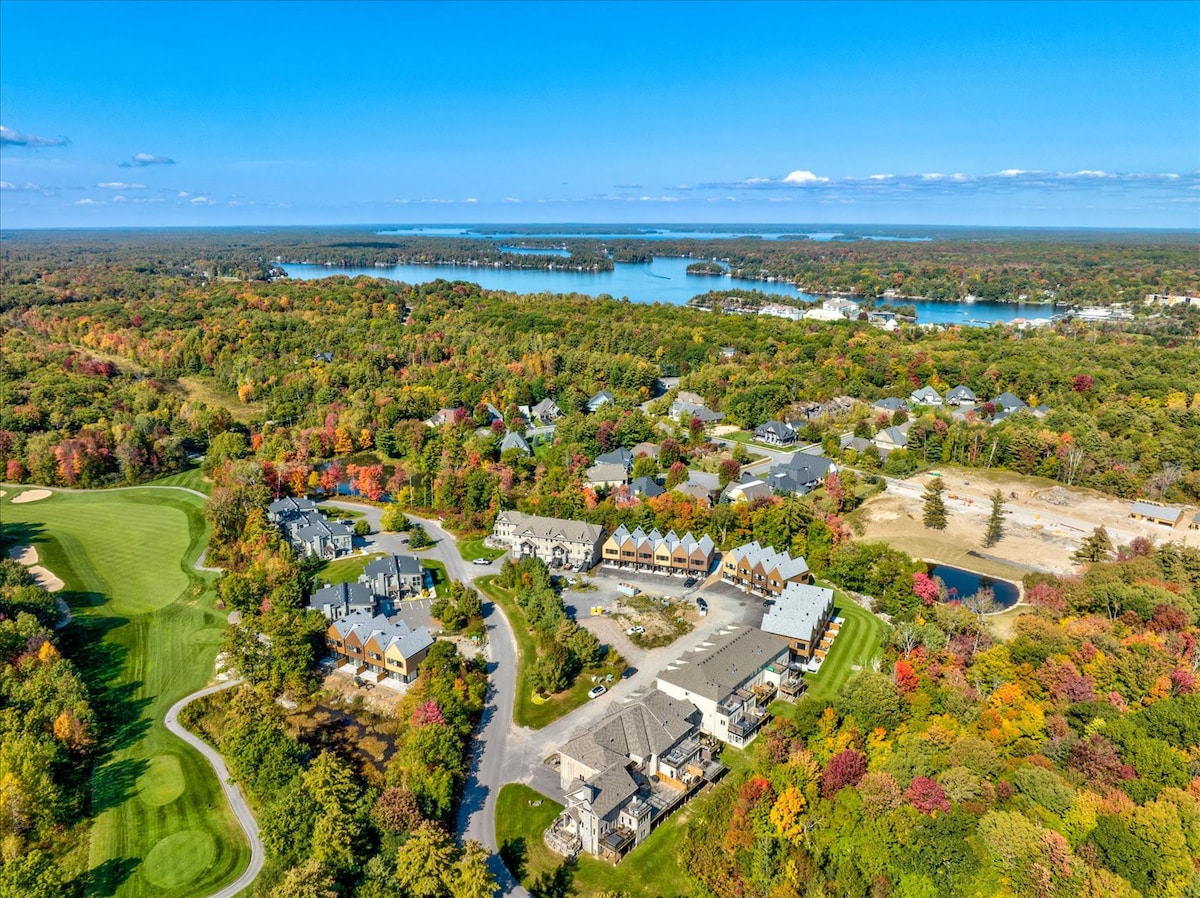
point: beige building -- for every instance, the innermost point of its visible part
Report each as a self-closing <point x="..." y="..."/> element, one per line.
<point x="654" y="553"/>
<point x="763" y="570"/>
<point x="560" y="543"/>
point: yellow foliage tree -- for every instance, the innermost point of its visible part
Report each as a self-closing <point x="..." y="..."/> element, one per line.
<point x="48" y="654"/>
<point x="787" y="814"/>
<point x="342" y="443"/>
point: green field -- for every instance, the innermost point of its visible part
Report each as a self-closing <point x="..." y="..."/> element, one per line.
<point x="344" y="570"/>
<point x="526" y="711"/>
<point x="855" y="646"/>
<point x="145" y="635"/>
<point x="470" y="549"/>
<point x="649" y="871"/>
<point x="191" y="478"/>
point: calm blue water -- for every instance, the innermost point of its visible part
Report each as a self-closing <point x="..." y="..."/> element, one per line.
<point x="966" y="583"/>
<point x="665" y="280"/>
<point x="773" y="233"/>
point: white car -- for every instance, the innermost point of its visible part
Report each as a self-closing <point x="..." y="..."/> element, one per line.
<point x="481" y="561"/>
<point x="597" y="691"/>
<point x="635" y="630"/>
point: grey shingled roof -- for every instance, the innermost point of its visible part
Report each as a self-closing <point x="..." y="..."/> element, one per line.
<point x="513" y="440"/>
<point x="604" y="473"/>
<point x="552" y="528"/>
<point x="408" y="641"/>
<point x="799" y="611"/>
<point x="621" y="456"/>
<point x="716" y="671"/>
<point x="393" y="566"/>
<point x="611" y="789"/>
<point x="343" y="595"/>
<point x="644" y="728"/>
<point x="646" y="487"/>
<point x="960" y="393"/>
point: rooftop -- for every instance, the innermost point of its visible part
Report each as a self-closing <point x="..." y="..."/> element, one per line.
<point x="719" y="667"/>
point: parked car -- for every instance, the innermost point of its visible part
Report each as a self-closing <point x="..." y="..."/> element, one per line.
<point x="632" y="630"/>
<point x="481" y="561"/>
<point x="689" y="582"/>
<point x="703" y="606"/>
<point x="597" y="691"/>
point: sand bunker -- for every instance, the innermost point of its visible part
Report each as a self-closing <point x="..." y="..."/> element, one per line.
<point x="28" y="556"/>
<point x="31" y="496"/>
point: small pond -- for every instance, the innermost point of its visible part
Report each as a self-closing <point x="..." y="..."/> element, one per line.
<point x="962" y="584"/>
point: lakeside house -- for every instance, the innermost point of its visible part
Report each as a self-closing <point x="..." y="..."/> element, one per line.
<point x="308" y="530"/>
<point x="558" y="542"/>
<point x="731" y="680"/>
<point x="763" y="570"/>
<point x="657" y="554"/>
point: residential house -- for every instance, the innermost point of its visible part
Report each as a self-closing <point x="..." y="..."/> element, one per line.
<point x="747" y="490"/>
<point x="375" y="646"/>
<point x="326" y="357"/>
<point x="801" y="615"/>
<point x="343" y="599"/>
<point x="560" y="543"/>
<point x="395" y="576"/>
<point x="763" y="570"/>
<point x="925" y="396"/>
<point x="961" y="395"/>
<point x="800" y="473"/>
<point x="646" y="488"/>
<point x="657" y="554"/>
<point x="315" y="536"/>
<point x="890" y="404"/>
<point x="681" y="408"/>
<point x="847" y="308"/>
<point x="775" y="433"/>
<point x="441" y="416"/>
<point x="1156" y="514"/>
<point x="601" y="399"/>
<point x="514" y="440"/>
<point x="731" y="680"/>
<point x="858" y="444"/>
<point x="282" y="509"/>
<point x="546" y="411"/>
<point x="890" y="438"/>
<point x="648" y="449"/>
<point x="619" y="456"/>
<point x="1009" y="403"/>
<point x="493" y="413"/>
<point x="602" y="476"/>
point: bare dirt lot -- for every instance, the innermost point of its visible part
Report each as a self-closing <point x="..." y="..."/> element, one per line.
<point x="1045" y="522"/>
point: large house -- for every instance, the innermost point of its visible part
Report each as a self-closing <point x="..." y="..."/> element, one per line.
<point x="560" y="543"/>
<point x="731" y="681"/>
<point x="800" y="473"/>
<point x="681" y="408"/>
<point x="646" y="488"/>
<point x="961" y="395"/>
<point x="762" y="570"/>
<point x="308" y="530"/>
<point x="657" y="554"/>
<point x="926" y="396"/>
<point x="546" y="411"/>
<point x="776" y="433"/>
<point x="514" y="440"/>
<point x="623" y="776"/>
<point x="605" y="475"/>
<point x="891" y="405"/>
<point x="619" y="456"/>
<point x="746" y="490"/>
<point x="801" y="615"/>
<point x="383" y="583"/>
<point x="891" y="438"/>
<point x="601" y="399"/>
<point x="372" y="645"/>
<point x="395" y="576"/>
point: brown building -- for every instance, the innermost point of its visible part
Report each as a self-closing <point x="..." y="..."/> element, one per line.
<point x="657" y="554"/>
<point x="375" y="646"/>
<point x="763" y="570"/>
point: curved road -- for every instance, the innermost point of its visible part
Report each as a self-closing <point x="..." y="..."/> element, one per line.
<point x="232" y="793"/>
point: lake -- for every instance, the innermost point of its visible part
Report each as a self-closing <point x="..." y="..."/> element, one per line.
<point x="962" y="584"/>
<point x="664" y="280"/>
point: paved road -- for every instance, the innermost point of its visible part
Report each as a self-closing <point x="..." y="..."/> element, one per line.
<point x="232" y="793"/>
<point x="491" y="764"/>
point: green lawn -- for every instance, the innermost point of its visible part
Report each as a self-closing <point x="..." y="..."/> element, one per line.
<point x="145" y="635"/>
<point x="437" y="573"/>
<point x="527" y="712"/>
<point x="344" y="570"/>
<point x="649" y="871"/>
<point x="471" y="549"/>
<point x="191" y="478"/>
<point x="855" y="645"/>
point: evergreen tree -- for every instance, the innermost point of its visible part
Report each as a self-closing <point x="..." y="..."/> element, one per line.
<point x="995" y="524"/>
<point x="935" y="507"/>
<point x="1096" y="547"/>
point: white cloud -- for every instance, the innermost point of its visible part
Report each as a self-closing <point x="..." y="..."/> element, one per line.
<point x="802" y="176"/>
<point x="7" y="185"/>
<point x="120" y="185"/>
<point x="471" y="200"/>
<point x="1011" y="172"/>
<point x="85" y="202"/>
<point x="119" y="199"/>
<point x="11" y="138"/>
<point x="201" y="201"/>
<point x="511" y="199"/>
<point x="1091" y="173"/>
<point x="758" y="180"/>
<point x="933" y="176"/>
<point x="880" y="177"/>
<point x="183" y="194"/>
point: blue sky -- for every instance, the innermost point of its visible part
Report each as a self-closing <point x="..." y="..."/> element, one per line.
<point x="225" y="113"/>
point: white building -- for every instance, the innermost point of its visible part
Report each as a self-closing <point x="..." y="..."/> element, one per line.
<point x="559" y="543"/>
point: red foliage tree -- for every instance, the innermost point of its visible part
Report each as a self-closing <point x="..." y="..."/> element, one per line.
<point x="926" y="795"/>
<point x="926" y="588"/>
<point x="905" y="677"/>
<point x="846" y="768"/>
<point x="426" y="713"/>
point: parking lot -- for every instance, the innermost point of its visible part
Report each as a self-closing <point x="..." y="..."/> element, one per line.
<point x="415" y="613"/>
<point x="612" y="625"/>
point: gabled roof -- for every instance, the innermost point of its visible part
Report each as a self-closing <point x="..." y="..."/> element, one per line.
<point x="750" y="490"/>
<point x="646" y="487"/>
<point x="551" y="528"/>
<point x="600" y="399"/>
<point x="393" y="566"/>
<point x="926" y="395"/>
<point x="893" y="435"/>
<point x="611" y="789"/>
<point x="782" y="562"/>
<point x="858" y="444"/>
<point x="799" y="611"/>
<point x="890" y="404"/>
<point x="961" y="393"/>
<point x="546" y="407"/>
<point x="1158" y="512"/>
<point x="695" y="410"/>
<point x="641" y="729"/>
<point x="398" y="634"/>
<point x="619" y="456"/>
<point x="1009" y="402"/>
<point x="287" y="505"/>
<point x="650" y="449"/>
<point x="804" y="467"/>
<point x="721" y="666"/>
<point x="777" y="429"/>
<point x="513" y="440"/>
<point x="343" y="595"/>
<point x="606" y="473"/>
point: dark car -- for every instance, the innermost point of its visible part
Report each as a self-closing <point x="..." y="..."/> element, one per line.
<point x="689" y="582"/>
